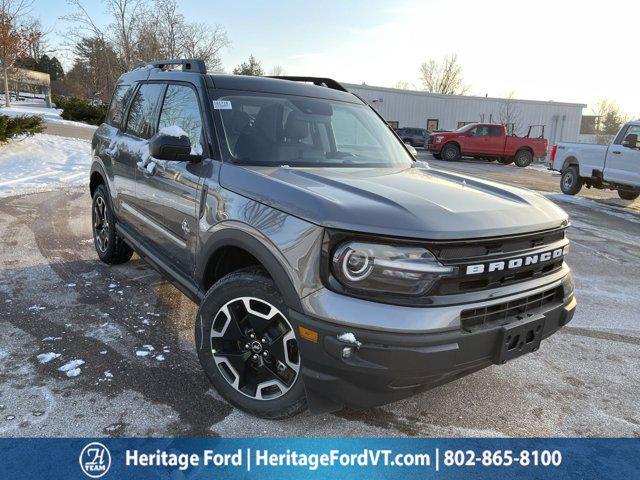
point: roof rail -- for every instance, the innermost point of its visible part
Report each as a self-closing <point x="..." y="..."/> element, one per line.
<point x="192" y="65"/>
<point x="320" y="81"/>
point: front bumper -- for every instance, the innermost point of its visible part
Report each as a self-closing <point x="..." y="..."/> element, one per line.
<point x="389" y="366"/>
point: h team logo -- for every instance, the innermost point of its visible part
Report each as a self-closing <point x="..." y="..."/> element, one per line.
<point x="95" y="460"/>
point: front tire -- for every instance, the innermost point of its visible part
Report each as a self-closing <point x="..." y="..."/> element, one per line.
<point x="523" y="158"/>
<point x="111" y="249"/>
<point x="451" y="152"/>
<point x="570" y="182"/>
<point x="248" y="347"/>
<point x="627" y="195"/>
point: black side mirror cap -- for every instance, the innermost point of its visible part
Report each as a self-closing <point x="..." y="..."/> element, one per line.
<point x="171" y="148"/>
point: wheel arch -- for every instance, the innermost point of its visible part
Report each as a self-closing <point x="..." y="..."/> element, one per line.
<point x="525" y="148"/>
<point x="223" y="242"/>
<point x="569" y="161"/>
<point x="97" y="177"/>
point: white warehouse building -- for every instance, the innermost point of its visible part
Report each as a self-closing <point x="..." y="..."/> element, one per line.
<point x="432" y="111"/>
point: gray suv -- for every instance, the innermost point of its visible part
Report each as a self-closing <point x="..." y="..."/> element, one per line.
<point x="329" y="267"/>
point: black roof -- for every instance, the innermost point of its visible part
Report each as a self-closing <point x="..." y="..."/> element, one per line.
<point x="301" y="87"/>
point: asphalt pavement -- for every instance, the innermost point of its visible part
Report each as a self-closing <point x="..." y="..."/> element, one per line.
<point x="123" y="338"/>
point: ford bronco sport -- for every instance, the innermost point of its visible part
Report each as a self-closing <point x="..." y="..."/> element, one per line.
<point x="329" y="267"/>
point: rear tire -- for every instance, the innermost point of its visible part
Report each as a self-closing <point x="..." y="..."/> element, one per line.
<point x="523" y="158"/>
<point x="505" y="161"/>
<point x="627" y="195"/>
<point x="244" y="309"/>
<point x="450" y="152"/>
<point x="570" y="182"/>
<point x="111" y="249"/>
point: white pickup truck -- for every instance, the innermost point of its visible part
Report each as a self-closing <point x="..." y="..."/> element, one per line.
<point x="616" y="167"/>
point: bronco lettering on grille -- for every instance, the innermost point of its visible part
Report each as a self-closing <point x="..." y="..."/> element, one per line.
<point x="514" y="263"/>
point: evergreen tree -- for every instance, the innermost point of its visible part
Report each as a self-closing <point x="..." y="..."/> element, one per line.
<point x="251" y="68"/>
<point x="55" y="69"/>
<point x="44" y="64"/>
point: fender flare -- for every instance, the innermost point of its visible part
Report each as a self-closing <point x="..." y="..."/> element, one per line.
<point x="96" y="167"/>
<point x="235" y="237"/>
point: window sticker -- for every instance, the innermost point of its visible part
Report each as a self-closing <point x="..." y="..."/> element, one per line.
<point x="222" y="104"/>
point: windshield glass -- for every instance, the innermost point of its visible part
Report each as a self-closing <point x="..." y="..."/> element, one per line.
<point x="466" y="127"/>
<point x="298" y="131"/>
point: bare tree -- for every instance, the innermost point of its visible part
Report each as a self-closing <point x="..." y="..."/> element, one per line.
<point x="443" y="77"/>
<point x="277" y="71"/>
<point x="510" y="115"/>
<point x="15" y="39"/>
<point x="200" y="40"/>
<point x="40" y="46"/>
<point x="170" y="26"/>
<point x="404" y="85"/>
<point x="126" y="21"/>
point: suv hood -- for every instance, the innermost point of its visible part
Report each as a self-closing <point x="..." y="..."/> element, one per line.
<point x="420" y="203"/>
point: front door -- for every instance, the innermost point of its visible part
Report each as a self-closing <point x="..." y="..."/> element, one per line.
<point x="623" y="158"/>
<point x="180" y="183"/>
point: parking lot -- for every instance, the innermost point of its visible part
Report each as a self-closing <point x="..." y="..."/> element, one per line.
<point x="123" y="338"/>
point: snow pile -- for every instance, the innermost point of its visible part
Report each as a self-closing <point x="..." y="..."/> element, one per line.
<point x="47" y="357"/>
<point x="49" y="115"/>
<point x="349" y="338"/>
<point x="41" y="162"/>
<point x="71" y="368"/>
<point x="173" y="131"/>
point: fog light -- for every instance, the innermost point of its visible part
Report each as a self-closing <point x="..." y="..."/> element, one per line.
<point x="347" y="352"/>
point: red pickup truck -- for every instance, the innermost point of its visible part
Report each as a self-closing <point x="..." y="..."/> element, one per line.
<point x="486" y="140"/>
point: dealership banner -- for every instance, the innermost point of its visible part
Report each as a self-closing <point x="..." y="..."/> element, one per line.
<point x="139" y="458"/>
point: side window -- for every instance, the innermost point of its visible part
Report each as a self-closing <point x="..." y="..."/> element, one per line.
<point x="481" y="131"/>
<point x="118" y="103"/>
<point x="349" y="130"/>
<point x="180" y="108"/>
<point x="632" y="137"/>
<point x="141" y="113"/>
<point x="495" y="131"/>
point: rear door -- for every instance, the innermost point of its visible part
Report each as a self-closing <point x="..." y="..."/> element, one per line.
<point x="109" y="136"/>
<point x="495" y="141"/>
<point x="623" y="157"/>
<point x="145" y="216"/>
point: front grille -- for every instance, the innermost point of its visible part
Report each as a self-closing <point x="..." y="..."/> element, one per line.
<point x="502" y="313"/>
<point x="464" y="253"/>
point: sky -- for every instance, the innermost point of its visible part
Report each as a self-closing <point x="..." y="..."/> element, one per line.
<point x="560" y="50"/>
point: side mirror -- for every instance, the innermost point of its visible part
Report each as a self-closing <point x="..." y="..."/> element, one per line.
<point x="630" y="141"/>
<point x="171" y="148"/>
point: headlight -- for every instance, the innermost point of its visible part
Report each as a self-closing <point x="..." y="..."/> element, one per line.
<point x="439" y="138"/>
<point x="372" y="267"/>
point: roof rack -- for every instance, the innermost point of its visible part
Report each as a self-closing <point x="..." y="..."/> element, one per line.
<point x="192" y="65"/>
<point x="320" y="81"/>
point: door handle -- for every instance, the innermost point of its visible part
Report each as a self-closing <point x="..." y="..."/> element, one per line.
<point x="616" y="152"/>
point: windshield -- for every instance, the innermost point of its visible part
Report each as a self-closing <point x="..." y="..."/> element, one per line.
<point x="466" y="127"/>
<point x="297" y="131"/>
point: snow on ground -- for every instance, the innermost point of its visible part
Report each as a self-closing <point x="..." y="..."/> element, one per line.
<point x="37" y="107"/>
<point x="542" y="167"/>
<point x="592" y="204"/>
<point x="42" y="162"/>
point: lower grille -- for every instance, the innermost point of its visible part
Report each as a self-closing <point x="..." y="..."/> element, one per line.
<point x="503" y="313"/>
